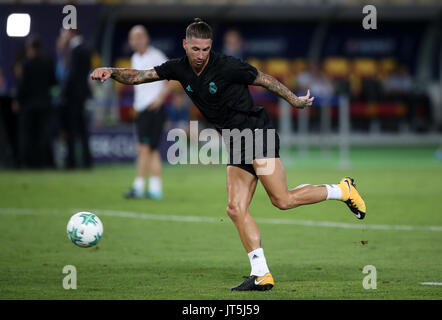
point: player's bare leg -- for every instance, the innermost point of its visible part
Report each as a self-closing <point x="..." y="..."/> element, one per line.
<point x="143" y="167"/>
<point x="155" y="164"/>
<point x="275" y="184"/>
<point x="143" y="158"/>
<point x="155" y="190"/>
<point x="148" y="164"/>
<point x="241" y="186"/>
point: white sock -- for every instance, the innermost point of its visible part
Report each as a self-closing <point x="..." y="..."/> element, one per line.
<point x="258" y="263"/>
<point x="333" y="192"/>
<point x="139" y="184"/>
<point x="155" y="185"/>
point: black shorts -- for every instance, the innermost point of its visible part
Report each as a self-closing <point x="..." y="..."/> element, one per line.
<point x="258" y="141"/>
<point x="149" y="126"/>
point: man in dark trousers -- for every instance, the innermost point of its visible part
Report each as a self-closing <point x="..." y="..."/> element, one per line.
<point x="34" y="107"/>
<point x="74" y="92"/>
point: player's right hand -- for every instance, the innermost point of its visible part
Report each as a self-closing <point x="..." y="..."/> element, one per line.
<point x="101" y="74"/>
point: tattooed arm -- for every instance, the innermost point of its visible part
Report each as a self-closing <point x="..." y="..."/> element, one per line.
<point x="126" y="76"/>
<point x="276" y="87"/>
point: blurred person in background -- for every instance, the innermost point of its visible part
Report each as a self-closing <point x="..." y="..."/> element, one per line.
<point x="399" y="83"/>
<point x="316" y="80"/>
<point x="233" y="44"/>
<point x="59" y="145"/>
<point x="74" y="91"/>
<point x="400" y="86"/>
<point x="61" y="49"/>
<point x="3" y="85"/>
<point x="6" y="143"/>
<point x="34" y="107"/>
<point x="178" y="110"/>
<point x="150" y="117"/>
<point x="17" y="64"/>
<point x="11" y="106"/>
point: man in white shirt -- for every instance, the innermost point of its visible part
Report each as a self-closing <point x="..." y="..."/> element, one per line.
<point x="150" y="118"/>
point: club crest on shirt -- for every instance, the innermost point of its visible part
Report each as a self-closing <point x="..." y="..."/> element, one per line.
<point x="212" y="88"/>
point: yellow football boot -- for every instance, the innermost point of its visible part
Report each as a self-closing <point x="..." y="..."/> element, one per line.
<point x="352" y="197"/>
<point x="255" y="283"/>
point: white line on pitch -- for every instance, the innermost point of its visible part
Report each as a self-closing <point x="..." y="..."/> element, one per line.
<point x="163" y="217"/>
<point x="432" y="283"/>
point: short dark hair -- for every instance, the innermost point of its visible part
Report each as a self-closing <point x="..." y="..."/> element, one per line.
<point x="199" y="29"/>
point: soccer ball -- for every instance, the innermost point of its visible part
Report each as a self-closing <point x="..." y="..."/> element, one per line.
<point x="85" y="229"/>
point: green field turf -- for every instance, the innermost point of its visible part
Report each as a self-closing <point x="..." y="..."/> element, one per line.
<point x="150" y="251"/>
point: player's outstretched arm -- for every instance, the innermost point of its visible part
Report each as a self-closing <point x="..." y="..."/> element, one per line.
<point x="126" y="76"/>
<point x="276" y="87"/>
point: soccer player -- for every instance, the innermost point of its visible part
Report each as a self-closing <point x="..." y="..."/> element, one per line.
<point x="218" y="86"/>
<point x="150" y="116"/>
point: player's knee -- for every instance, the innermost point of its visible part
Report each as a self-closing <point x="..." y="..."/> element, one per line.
<point x="282" y="203"/>
<point x="234" y="210"/>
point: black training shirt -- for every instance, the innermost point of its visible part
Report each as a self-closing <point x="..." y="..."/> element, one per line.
<point x="220" y="92"/>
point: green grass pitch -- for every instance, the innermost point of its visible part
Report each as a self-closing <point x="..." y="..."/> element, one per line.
<point x="185" y="246"/>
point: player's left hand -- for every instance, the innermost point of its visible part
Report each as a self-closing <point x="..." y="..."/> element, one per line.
<point x="304" y="101"/>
